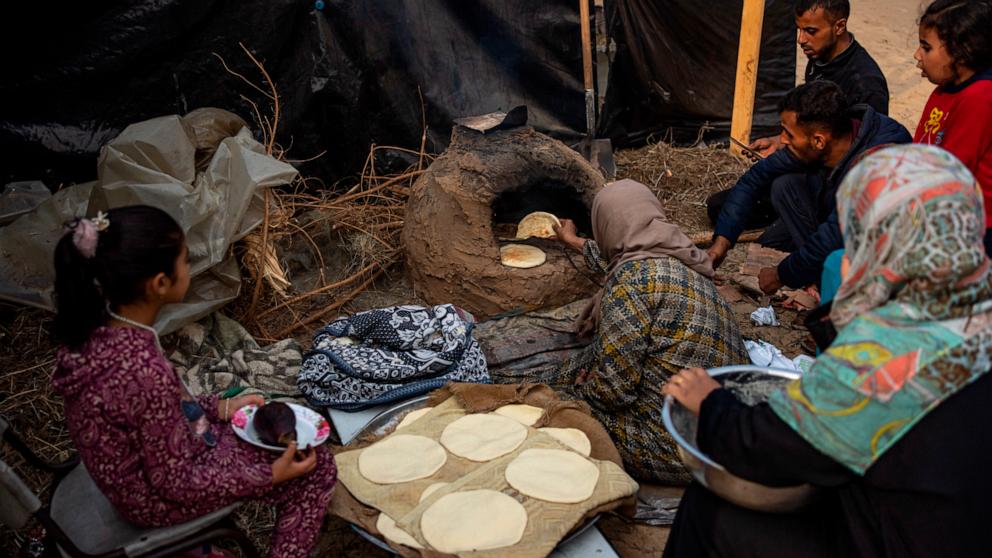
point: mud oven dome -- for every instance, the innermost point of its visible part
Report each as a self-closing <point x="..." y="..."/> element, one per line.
<point x="467" y="205"/>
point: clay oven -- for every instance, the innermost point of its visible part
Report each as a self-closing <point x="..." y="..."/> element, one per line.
<point x="466" y="206"/>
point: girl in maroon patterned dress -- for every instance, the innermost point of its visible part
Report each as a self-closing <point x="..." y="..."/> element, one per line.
<point x="161" y="456"/>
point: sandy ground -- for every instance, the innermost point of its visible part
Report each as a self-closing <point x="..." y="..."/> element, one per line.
<point x="888" y="29"/>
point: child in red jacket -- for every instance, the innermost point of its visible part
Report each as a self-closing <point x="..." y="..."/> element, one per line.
<point x="955" y="54"/>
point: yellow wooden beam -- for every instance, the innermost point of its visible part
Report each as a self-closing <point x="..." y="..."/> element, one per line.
<point x="748" y="54"/>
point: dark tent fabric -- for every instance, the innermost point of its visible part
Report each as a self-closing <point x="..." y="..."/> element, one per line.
<point x="676" y="64"/>
<point x="354" y="73"/>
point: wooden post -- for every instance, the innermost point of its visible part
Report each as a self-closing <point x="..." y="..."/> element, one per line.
<point x="748" y="54"/>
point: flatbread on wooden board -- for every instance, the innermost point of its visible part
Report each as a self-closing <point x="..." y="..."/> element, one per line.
<point x="385" y="525"/>
<point x="412" y="416"/>
<point x="473" y="520"/>
<point x="571" y="437"/>
<point x="483" y="437"/>
<point x="526" y="415"/>
<point x="539" y="224"/>
<point x="401" y="458"/>
<point x="521" y="256"/>
<point x="553" y="475"/>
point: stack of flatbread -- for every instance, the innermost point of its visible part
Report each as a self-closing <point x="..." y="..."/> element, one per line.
<point x="485" y="484"/>
<point x="523" y="256"/>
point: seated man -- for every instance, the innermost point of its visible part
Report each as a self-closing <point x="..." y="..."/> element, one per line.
<point x="834" y="55"/>
<point x="823" y="139"/>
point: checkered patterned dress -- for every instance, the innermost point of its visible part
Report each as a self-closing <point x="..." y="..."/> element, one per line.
<point x="658" y="317"/>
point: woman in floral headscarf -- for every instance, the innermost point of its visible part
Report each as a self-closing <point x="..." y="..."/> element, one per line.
<point x="894" y="420"/>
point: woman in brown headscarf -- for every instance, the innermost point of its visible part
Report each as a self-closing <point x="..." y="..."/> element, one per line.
<point x="658" y="313"/>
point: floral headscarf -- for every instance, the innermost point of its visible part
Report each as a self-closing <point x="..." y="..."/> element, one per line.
<point x="914" y="312"/>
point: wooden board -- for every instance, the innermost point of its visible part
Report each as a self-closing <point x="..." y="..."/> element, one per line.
<point x="748" y="54"/>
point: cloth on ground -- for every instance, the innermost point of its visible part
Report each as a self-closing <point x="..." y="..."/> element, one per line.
<point x="453" y="401"/>
<point x="217" y="354"/>
<point x="390" y="354"/>
<point x="763" y="353"/>
<point x="521" y="348"/>
<point x="764" y="316"/>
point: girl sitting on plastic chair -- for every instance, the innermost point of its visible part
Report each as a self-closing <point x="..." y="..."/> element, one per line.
<point x="160" y="455"/>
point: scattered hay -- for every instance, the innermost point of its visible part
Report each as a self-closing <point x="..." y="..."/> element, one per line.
<point x="683" y="177"/>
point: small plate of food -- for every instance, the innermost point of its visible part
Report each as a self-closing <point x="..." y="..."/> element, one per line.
<point x="274" y="425"/>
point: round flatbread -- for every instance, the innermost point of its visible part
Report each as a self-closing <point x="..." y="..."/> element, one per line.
<point x="431" y="490"/>
<point x="483" y="437"/>
<point x="412" y="416"/>
<point x="526" y="415"/>
<point x="388" y="528"/>
<point x="553" y="475"/>
<point x="571" y="437"/>
<point x="401" y="458"/>
<point x="473" y="520"/>
<point x="538" y="224"/>
<point x="521" y="256"/>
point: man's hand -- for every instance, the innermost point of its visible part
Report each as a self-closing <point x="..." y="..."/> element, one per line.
<point x="766" y="146"/>
<point x="768" y="280"/>
<point x="690" y="387"/>
<point x="568" y="234"/>
<point x="718" y="251"/>
<point x="227" y="407"/>
<point x="292" y="464"/>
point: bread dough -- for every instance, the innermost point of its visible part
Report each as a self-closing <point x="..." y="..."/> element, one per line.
<point x="571" y="437"/>
<point x="473" y="520"/>
<point x="553" y="475"/>
<point x="521" y="256"/>
<point x="412" y="417"/>
<point x="483" y="437"/>
<point x="401" y="458"/>
<point x="526" y="415"/>
<point x="538" y="224"/>
<point x="388" y="528"/>
<point x="431" y="490"/>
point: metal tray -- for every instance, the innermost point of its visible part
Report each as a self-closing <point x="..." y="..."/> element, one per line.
<point x="389" y="418"/>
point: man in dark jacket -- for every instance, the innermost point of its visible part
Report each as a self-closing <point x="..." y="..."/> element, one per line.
<point x="834" y="55"/>
<point x="822" y="137"/>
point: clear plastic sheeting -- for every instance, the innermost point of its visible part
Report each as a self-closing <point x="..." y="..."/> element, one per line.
<point x="155" y="163"/>
<point x="19" y="198"/>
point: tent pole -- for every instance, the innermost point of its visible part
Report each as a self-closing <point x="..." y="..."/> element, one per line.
<point x="748" y="54"/>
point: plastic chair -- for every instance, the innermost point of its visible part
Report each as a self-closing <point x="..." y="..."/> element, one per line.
<point x="80" y="521"/>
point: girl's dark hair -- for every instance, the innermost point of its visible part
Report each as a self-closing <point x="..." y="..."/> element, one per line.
<point x="140" y="243"/>
<point x="965" y="27"/>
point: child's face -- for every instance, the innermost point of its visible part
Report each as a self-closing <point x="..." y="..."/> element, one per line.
<point x="933" y="59"/>
<point x="180" y="284"/>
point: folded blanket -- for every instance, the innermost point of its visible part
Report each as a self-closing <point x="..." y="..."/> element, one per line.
<point x="390" y="354"/>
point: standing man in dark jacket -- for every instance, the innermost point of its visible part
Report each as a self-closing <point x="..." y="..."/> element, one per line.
<point x="822" y="138"/>
<point x="834" y="55"/>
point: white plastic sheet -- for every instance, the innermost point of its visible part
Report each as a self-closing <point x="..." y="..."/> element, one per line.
<point x="155" y="163"/>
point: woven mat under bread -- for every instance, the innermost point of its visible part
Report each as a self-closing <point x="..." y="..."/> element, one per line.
<point x="547" y="523"/>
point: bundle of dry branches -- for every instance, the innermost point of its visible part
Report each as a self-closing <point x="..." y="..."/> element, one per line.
<point x="368" y="220"/>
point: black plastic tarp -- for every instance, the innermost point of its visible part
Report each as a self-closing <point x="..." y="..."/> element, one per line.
<point x="676" y="64"/>
<point x="75" y="74"/>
